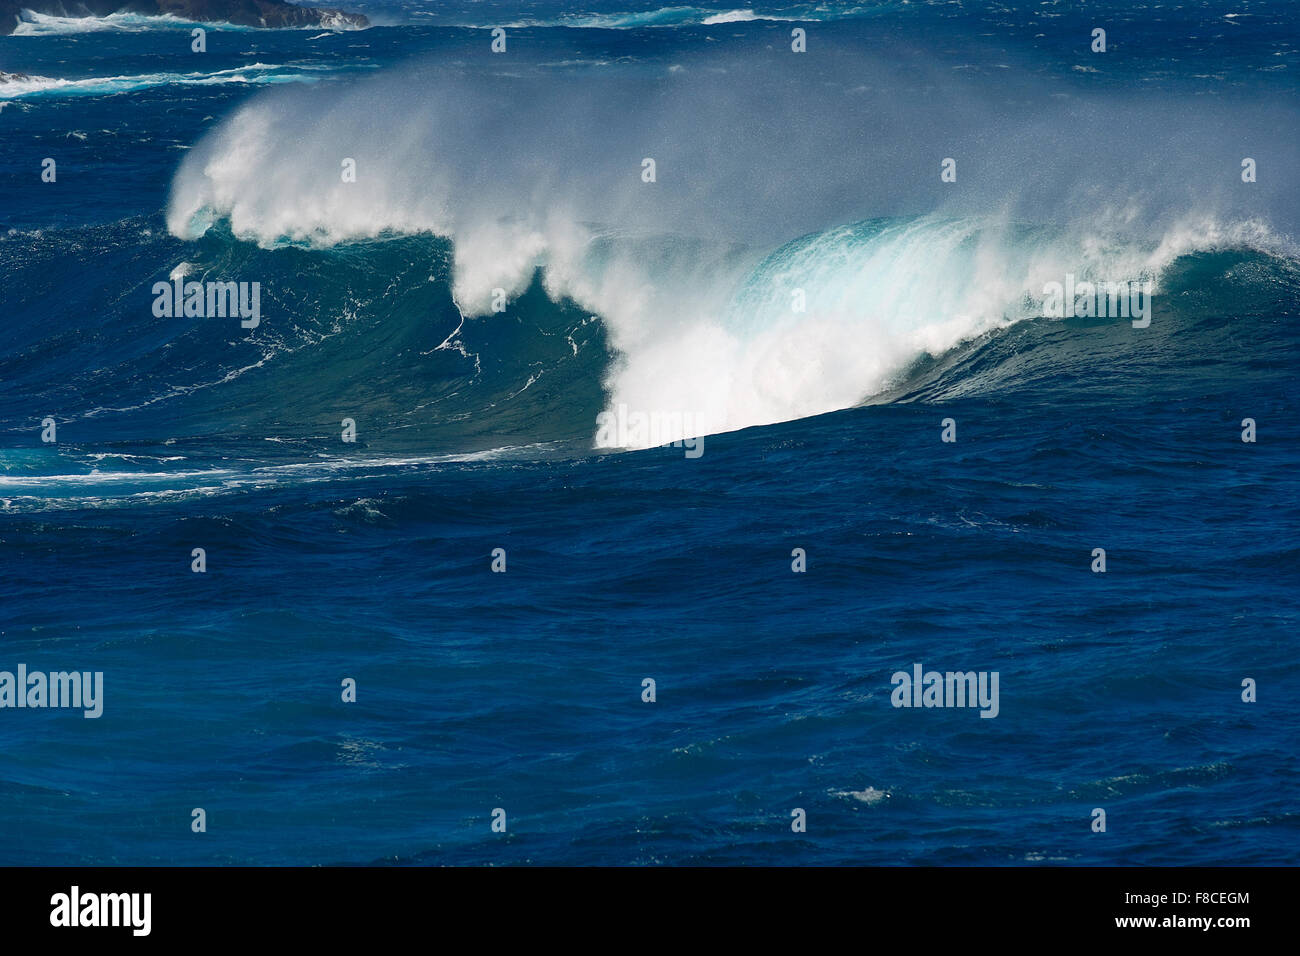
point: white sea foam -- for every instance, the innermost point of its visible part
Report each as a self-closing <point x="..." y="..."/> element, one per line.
<point x="41" y="24"/>
<point x="254" y="74"/>
<point x="95" y="489"/>
<point x="672" y="16"/>
<point x="731" y="16"/>
<point x="32" y="24"/>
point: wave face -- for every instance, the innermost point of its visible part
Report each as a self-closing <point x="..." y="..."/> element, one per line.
<point x="378" y="330"/>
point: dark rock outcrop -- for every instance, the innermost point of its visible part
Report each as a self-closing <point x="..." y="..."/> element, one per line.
<point x="248" y="13"/>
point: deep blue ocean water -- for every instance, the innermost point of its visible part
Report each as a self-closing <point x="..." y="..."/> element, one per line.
<point x="476" y="430"/>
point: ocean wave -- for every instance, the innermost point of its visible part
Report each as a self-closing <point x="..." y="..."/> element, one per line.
<point x="738" y="16"/>
<point x="33" y="24"/>
<point x="684" y="16"/>
<point x="926" y="308"/>
<point x="703" y="327"/>
<point x="254" y="74"/>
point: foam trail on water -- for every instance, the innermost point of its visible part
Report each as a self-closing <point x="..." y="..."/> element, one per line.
<point x="254" y="74"/>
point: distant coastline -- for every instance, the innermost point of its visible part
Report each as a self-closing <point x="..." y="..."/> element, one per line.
<point x="250" y="13"/>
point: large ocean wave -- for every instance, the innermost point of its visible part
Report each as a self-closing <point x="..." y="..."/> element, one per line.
<point x="701" y="325"/>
